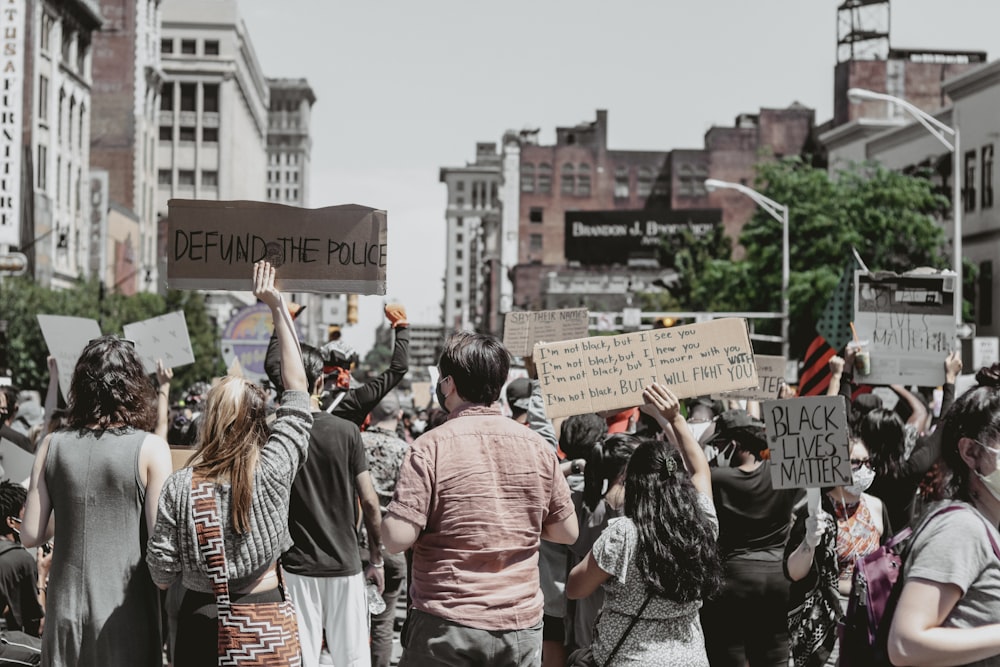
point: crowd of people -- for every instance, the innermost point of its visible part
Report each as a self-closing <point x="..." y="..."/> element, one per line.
<point x="307" y="509"/>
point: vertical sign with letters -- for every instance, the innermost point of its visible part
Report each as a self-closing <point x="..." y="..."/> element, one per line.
<point x="12" y="17"/>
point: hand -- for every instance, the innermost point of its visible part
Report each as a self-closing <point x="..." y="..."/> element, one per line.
<point x="396" y="314"/>
<point x="53" y="366"/>
<point x="376" y="574"/>
<point x="785" y="391"/>
<point x="815" y="527"/>
<point x="663" y="400"/>
<point x="43" y="559"/>
<point x="849" y="355"/>
<point x="263" y="285"/>
<point x="163" y="374"/>
<point x="952" y="367"/>
<point x="836" y="365"/>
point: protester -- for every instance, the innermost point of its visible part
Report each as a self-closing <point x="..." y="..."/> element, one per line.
<point x="660" y="561"/>
<point x="324" y="572"/>
<point x="473" y="498"/>
<point x="22" y="578"/>
<point x="950" y="601"/>
<point x="747" y="623"/>
<point x="99" y="480"/>
<point x="820" y="555"/>
<point x="248" y="473"/>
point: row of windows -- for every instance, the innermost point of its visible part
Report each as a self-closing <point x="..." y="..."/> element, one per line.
<point x="189" y="47"/>
<point x="985" y="179"/>
<point x="75" y="118"/>
<point x="43" y="178"/>
<point x="68" y="35"/>
<point x="483" y="195"/>
<point x="290" y="193"/>
<point x="189" y="97"/>
<point x="576" y="180"/>
<point x="274" y="158"/>
<point x="185" y="178"/>
<point x="274" y="176"/>
<point x="209" y="135"/>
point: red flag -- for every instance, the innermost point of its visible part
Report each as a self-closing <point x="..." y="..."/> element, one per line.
<point x="815" y="376"/>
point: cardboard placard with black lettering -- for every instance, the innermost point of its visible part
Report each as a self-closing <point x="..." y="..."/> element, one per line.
<point x="213" y="245"/>
<point x="808" y="442"/>
<point x="770" y="375"/>
<point x="522" y="328"/>
<point x="609" y="372"/>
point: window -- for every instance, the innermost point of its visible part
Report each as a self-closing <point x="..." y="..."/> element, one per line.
<point x="210" y="101"/>
<point x="166" y="133"/>
<point x="211" y="47"/>
<point x="458" y="287"/>
<point x="970" y="181"/>
<point x="644" y="182"/>
<point x="58" y="179"/>
<point x="458" y="222"/>
<point x="984" y="312"/>
<point x="458" y="304"/>
<point x="686" y="178"/>
<point x="166" y="46"/>
<point x="458" y="270"/>
<point x="185" y="177"/>
<point x="458" y="237"/>
<point x="568" y="179"/>
<point x="583" y="180"/>
<point x="987" y="177"/>
<point x="210" y="135"/>
<point x="43" y="98"/>
<point x="459" y="254"/>
<point x="67" y="44"/>
<point x="164" y="177"/>
<point x="46" y="31"/>
<point x="167" y="97"/>
<point x="42" y="161"/>
<point x="535" y="214"/>
<point x="82" y="48"/>
<point x="210" y="178"/>
<point x="621" y="183"/>
<point x="459" y="186"/>
<point x="544" y="178"/>
<point x="295" y="193"/>
<point x="188" y="47"/>
<point x="527" y="178"/>
<point x="188" y="95"/>
<point x="187" y="134"/>
<point x="535" y="243"/>
<point x="460" y="201"/>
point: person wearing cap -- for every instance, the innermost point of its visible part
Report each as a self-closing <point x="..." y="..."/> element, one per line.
<point x="747" y="623"/>
<point x="519" y="399"/>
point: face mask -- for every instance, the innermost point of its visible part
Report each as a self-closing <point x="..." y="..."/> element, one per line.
<point x="725" y="456"/>
<point x="991" y="481"/>
<point x="861" y="479"/>
<point x="418" y="426"/>
<point x="440" y="395"/>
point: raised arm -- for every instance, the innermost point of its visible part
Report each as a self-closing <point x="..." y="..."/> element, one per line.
<point x="293" y="374"/>
<point x="163" y="375"/>
<point x="918" y="411"/>
<point x="37" y="525"/>
<point x="52" y="393"/>
<point x="668" y="414"/>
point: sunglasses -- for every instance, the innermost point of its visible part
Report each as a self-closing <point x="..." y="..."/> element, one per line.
<point x="857" y="463"/>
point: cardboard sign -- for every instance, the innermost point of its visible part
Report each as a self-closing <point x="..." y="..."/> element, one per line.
<point x="609" y="372"/>
<point x="909" y="323"/>
<point x="164" y="337"/>
<point x="522" y="329"/>
<point x="66" y="337"/>
<point x="770" y="373"/>
<point x="808" y="442"/>
<point x="214" y="244"/>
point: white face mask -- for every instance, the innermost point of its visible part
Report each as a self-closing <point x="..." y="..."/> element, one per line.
<point x="861" y="479"/>
<point x="992" y="480"/>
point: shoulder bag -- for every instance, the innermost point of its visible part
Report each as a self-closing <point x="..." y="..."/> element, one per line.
<point x="584" y="657"/>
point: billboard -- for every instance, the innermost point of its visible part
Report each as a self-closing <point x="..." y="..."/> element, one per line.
<point x="615" y="237"/>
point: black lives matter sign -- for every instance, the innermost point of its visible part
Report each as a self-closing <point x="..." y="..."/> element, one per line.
<point x="808" y="442"/>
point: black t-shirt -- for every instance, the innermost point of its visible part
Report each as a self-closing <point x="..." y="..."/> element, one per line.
<point x="753" y="515"/>
<point x="323" y="508"/>
<point x="18" y="589"/>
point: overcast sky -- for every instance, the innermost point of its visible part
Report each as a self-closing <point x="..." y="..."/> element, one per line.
<point x="404" y="88"/>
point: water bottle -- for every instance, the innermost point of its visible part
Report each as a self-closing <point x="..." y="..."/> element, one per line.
<point x="376" y="605"/>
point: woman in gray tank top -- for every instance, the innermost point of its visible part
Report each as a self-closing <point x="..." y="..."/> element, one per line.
<point x="100" y="480"/>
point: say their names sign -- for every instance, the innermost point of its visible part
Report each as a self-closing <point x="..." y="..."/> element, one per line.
<point x="808" y="442"/>
<point x="213" y="245"/>
<point x="522" y="329"/>
<point x="610" y="372"/>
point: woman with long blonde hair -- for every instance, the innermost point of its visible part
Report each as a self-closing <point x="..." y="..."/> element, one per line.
<point x="248" y="470"/>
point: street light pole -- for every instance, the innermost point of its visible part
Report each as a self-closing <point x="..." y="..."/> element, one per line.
<point x="939" y="131"/>
<point x="780" y="213"/>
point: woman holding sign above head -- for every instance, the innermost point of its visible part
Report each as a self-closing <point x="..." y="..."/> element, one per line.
<point x="820" y="555"/>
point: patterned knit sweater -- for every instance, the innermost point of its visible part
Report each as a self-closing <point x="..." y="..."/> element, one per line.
<point x="173" y="546"/>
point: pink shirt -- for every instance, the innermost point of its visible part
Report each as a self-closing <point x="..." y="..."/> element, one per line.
<point x="481" y="487"/>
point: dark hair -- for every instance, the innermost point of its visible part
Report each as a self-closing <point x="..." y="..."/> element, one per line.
<point x="11" y="392"/>
<point x="435" y="417"/>
<point x="110" y="388"/>
<point x="884" y="435"/>
<point x="975" y="415"/>
<point x="861" y="406"/>
<point x="750" y="439"/>
<point x="581" y="432"/>
<point x="677" y="553"/>
<point x="478" y="364"/>
<point x="312" y="361"/>
<point x="12" y="497"/>
<point x="606" y="461"/>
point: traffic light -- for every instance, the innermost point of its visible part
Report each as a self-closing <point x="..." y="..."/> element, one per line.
<point x="664" y="322"/>
<point x="14" y="263"/>
<point x="352" y="308"/>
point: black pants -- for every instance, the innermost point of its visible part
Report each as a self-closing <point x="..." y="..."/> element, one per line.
<point x="198" y="626"/>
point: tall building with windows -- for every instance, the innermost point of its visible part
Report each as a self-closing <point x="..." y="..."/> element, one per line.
<point x="289" y="145"/>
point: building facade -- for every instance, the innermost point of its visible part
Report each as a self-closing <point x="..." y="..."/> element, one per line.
<point x="289" y="145"/>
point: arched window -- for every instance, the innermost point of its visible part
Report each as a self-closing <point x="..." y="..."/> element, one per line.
<point x="583" y="180"/>
<point x="545" y="178"/>
<point x="568" y="179"/>
<point x="527" y="177"/>
<point x="644" y="181"/>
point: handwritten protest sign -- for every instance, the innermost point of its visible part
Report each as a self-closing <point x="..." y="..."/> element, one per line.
<point x="164" y="337"/>
<point x="609" y="372"/>
<point x="66" y="337"/>
<point x="522" y="329"/>
<point x="213" y="244"/>
<point x="770" y="374"/>
<point x="909" y="324"/>
<point x="808" y="442"/>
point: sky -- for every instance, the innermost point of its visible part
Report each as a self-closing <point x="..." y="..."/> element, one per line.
<point x="404" y="88"/>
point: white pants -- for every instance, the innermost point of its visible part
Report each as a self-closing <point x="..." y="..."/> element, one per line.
<point x="337" y="605"/>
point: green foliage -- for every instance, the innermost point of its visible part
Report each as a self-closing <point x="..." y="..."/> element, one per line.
<point x="21" y="300"/>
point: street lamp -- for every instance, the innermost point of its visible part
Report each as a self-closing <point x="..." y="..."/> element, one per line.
<point x="941" y="132"/>
<point x="780" y="213"/>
